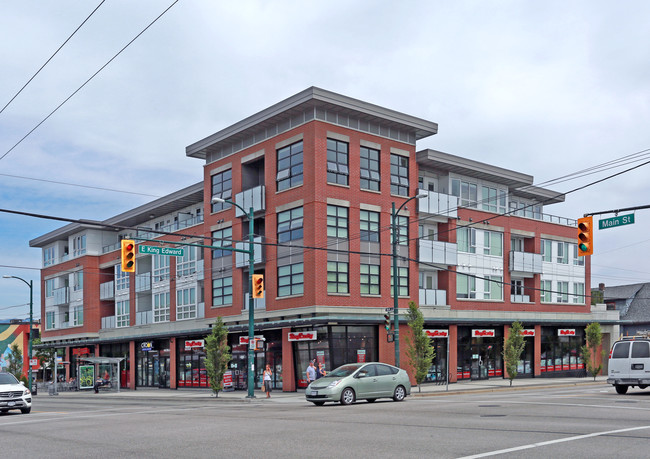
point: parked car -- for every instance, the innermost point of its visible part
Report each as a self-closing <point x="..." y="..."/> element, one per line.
<point x="14" y="395"/>
<point x="629" y="364"/>
<point x="360" y="381"/>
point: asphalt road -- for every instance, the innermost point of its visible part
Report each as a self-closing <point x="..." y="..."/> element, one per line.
<point x="575" y="422"/>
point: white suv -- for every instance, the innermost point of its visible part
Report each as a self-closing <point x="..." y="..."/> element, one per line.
<point x="14" y="395"/>
<point x="629" y="364"/>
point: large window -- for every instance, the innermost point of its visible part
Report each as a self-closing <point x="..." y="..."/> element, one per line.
<point x="122" y="313"/>
<point x="369" y="225"/>
<point x="369" y="279"/>
<point x="79" y="245"/>
<point x="466" y="238"/>
<point x="291" y="279"/>
<point x="49" y="288"/>
<point x="402" y="224"/>
<point x="402" y="281"/>
<point x="466" y="191"/>
<point x="290" y="225"/>
<point x="579" y="293"/>
<point x="547" y="291"/>
<point x="186" y="265"/>
<point x="465" y="286"/>
<point x="562" y="292"/>
<point x="161" y="307"/>
<point x="493" y="288"/>
<point x="493" y="243"/>
<point x="337" y="277"/>
<point x="50" y="321"/>
<point x="222" y="291"/>
<point x="337" y="162"/>
<point x="160" y="267"/>
<point x="121" y="278"/>
<point x="222" y="238"/>
<point x="77" y="316"/>
<point x="186" y="303"/>
<point x="289" y="166"/>
<point x="547" y="250"/>
<point x="222" y="188"/>
<point x="563" y="253"/>
<point x="337" y="222"/>
<point x="577" y="259"/>
<point x="48" y="256"/>
<point x="78" y="281"/>
<point x="370" y="176"/>
<point x="494" y="199"/>
<point x="399" y="175"/>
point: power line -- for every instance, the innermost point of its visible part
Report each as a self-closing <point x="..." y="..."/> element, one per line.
<point x="78" y="185"/>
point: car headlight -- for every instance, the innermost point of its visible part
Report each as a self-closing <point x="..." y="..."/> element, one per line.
<point x="334" y="384"/>
<point x="26" y="392"/>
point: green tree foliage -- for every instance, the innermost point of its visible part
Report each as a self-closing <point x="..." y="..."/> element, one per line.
<point x="217" y="355"/>
<point x="514" y="346"/>
<point x="15" y="361"/>
<point x="420" y="349"/>
<point x="594" y="337"/>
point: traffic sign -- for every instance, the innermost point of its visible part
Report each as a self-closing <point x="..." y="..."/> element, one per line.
<point x="616" y="221"/>
<point x="157" y="250"/>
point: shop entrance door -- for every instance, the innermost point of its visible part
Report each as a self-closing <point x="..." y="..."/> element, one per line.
<point x="161" y="371"/>
<point x="482" y="361"/>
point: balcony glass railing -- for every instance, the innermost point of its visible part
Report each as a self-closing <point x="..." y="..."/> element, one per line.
<point x="525" y="262"/>
<point x="429" y="297"/>
<point x="253" y="197"/>
<point x="438" y="252"/>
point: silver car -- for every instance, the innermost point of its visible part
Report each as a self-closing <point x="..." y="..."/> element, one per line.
<point x="356" y="381"/>
<point x="14" y="395"/>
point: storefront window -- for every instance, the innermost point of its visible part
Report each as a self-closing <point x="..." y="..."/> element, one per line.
<point x="153" y="364"/>
<point x="561" y="351"/>
<point x="480" y="353"/>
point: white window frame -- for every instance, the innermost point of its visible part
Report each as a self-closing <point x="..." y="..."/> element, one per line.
<point x="161" y="307"/>
<point x="186" y="305"/>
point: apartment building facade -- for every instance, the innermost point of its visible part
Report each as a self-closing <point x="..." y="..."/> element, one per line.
<point x="322" y="172"/>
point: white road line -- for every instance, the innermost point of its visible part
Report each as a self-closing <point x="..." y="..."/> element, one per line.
<point x="552" y="442"/>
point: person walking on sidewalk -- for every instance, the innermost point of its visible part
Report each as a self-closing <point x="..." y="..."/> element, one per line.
<point x="267" y="381"/>
<point x="311" y="372"/>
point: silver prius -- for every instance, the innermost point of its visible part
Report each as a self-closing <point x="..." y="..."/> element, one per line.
<point x="360" y="381"/>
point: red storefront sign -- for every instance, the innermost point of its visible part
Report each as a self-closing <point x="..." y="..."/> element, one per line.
<point x="194" y="344"/>
<point x="483" y="333"/>
<point x="80" y="351"/>
<point x="566" y="332"/>
<point x="302" y="336"/>
<point x="244" y="339"/>
<point x="361" y="355"/>
<point x="527" y="332"/>
<point x="437" y="333"/>
<point x="227" y="379"/>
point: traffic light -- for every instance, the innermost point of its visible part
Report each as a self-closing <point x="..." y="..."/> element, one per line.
<point x="258" y="285"/>
<point x="128" y="256"/>
<point x="387" y="321"/>
<point x="585" y="236"/>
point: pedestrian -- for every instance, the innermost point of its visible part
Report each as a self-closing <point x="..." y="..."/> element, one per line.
<point x="311" y="372"/>
<point x="321" y="371"/>
<point x="267" y="381"/>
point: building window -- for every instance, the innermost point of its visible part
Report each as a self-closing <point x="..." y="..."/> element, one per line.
<point x="289" y="166"/>
<point x="337" y="277"/>
<point x="50" y="320"/>
<point x="122" y="314"/>
<point x="78" y="281"/>
<point x="222" y="238"/>
<point x="337" y="162"/>
<point x="186" y="265"/>
<point x="547" y="250"/>
<point x="222" y="188"/>
<point x="399" y="175"/>
<point x="402" y="281"/>
<point x="466" y="191"/>
<point x="186" y="303"/>
<point x="161" y="307"/>
<point x="337" y="222"/>
<point x="48" y="256"/>
<point x="77" y="316"/>
<point x="563" y="253"/>
<point x="577" y="259"/>
<point x="562" y="292"/>
<point x="291" y="279"/>
<point x="579" y="293"/>
<point x="221" y="291"/>
<point x="517" y="287"/>
<point x="160" y="267"/>
<point x="290" y="225"/>
<point x="370" y="176"/>
<point x="369" y="225"/>
<point x="465" y="286"/>
<point x="493" y="288"/>
<point x="402" y="224"/>
<point x="466" y="238"/>
<point x="369" y="279"/>
<point x="493" y="243"/>
<point x="547" y="291"/>
<point x="121" y="279"/>
<point x="49" y="288"/>
<point x="494" y="200"/>
<point x="79" y="245"/>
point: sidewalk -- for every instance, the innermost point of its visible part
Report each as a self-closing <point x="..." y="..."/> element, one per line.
<point x="428" y="390"/>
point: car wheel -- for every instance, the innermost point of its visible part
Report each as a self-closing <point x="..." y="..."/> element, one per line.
<point x="347" y="396"/>
<point x="371" y="400"/>
<point x="399" y="393"/>
<point x="4" y="411"/>
<point x="620" y="389"/>
<point x="26" y="410"/>
<point x="319" y="403"/>
<point x="643" y="386"/>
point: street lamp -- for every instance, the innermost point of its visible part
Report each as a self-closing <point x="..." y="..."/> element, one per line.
<point x="251" y="300"/>
<point x="31" y="311"/>
<point x="395" y="276"/>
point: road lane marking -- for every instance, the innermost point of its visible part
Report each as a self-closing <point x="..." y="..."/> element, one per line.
<point x="552" y="442"/>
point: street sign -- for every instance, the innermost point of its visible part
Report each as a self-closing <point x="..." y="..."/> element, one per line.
<point x="616" y="221"/>
<point x="157" y="250"/>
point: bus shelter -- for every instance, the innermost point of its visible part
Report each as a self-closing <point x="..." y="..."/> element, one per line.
<point x="106" y="368"/>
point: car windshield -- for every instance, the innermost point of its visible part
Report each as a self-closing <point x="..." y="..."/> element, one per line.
<point x="7" y="378"/>
<point x="343" y="371"/>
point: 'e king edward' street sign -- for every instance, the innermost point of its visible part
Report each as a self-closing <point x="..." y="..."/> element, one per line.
<point x="616" y="221"/>
<point x="161" y="250"/>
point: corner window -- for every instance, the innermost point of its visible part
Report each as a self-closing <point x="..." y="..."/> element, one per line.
<point x="337" y="277"/>
<point x="337" y="222"/>
<point x="399" y="175"/>
<point x="291" y="279"/>
<point x="369" y="225"/>
<point x="222" y="291"/>
<point x="369" y="170"/>
<point x="289" y="166"/>
<point x="222" y="238"/>
<point x="337" y="162"/>
<point x="290" y="225"/>
<point x="222" y="188"/>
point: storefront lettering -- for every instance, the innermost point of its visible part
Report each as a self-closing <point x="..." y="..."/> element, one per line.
<point x="566" y="332"/>
<point x="81" y="351"/>
<point x="146" y="346"/>
<point x="479" y="333"/>
<point x="194" y="344"/>
<point x="437" y="333"/>
<point x="302" y="336"/>
<point x="529" y="332"/>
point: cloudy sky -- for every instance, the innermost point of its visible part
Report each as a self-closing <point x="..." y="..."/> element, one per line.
<point x="544" y="88"/>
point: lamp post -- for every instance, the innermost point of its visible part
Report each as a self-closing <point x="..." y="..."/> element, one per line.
<point x="251" y="300"/>
<point x="31" y="311"/>
<point x="395" y="276"/>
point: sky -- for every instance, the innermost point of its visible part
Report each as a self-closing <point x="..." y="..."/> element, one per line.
<point x="543" y="88"/>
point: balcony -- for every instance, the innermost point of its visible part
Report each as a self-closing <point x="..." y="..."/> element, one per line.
<point x="438" y="204"/>
<point x="108" y="322"/>
<point x="143" y="282"/>
<point x="253" y="197"/>
<point x="519" y="299"/>
<point x="61" y="296"/>
<point x="430" y="297"/>
<point x="438" y="252"/>
<point x="144" y="317"/>
<point x="241" y="259"/>
<point x="107" y="290"/>
<point x="525" y="263"/>
<point x="260" y="303"/>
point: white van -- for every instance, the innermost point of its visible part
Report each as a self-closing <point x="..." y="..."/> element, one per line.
<point x="629" y="364"/>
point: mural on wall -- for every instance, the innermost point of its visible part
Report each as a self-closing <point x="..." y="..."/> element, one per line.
<point x="10" y="334"/>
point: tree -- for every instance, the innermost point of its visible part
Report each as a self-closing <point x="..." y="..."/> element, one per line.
<point x="15" y="361"/>
<point x="420" y="350"/>
<point x="594" y="337"/>
<point x="217" y="355"/>
<point x="45" y="356"/>
<point x="515" y="345"/>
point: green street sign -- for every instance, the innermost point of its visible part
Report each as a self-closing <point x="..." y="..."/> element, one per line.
<point x="616" y="221"/>
<point x="157" y="250"/>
